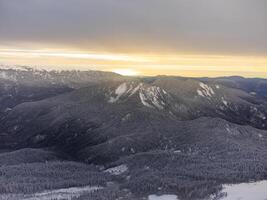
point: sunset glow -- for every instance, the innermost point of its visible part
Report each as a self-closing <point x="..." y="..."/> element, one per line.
<point x="126" y="72"/>
<point x="139" y="63"/>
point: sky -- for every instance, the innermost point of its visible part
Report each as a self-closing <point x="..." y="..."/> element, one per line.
<point x="137" y="37"/>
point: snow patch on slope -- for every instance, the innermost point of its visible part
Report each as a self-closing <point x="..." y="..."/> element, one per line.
<point x="6" y="76"/>
<point x="15" y="67"/>
<point x="150" y="96"/>
<point x="261" y="115"/>
<point x="117" y="170"/>
<point x="60" y="194"/>
<point x="257" y="113"/>
<point x="200" y="93"/>
<point x="206" y="91"/>
<point x="144" y="99"/>
<point x="124" y="90"/>
<point x="119" y="92"/>
<point x="163" y="197"/>
<point x="153" y="97"/>
<point x="224" y="101"/>
<point x="136" y="89"/>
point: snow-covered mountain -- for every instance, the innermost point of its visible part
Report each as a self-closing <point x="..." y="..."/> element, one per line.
<point x="190" y="99"/>
<point x="169" y="134"/>
<point x="73" y="79"/>
<point x="123" y="102"/>
<point x="20" y="84"/>
<point x="254" y="86"/>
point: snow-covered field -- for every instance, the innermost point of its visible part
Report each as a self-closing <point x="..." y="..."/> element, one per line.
<point x="243" y="191"/>
<point x="117" y="170"/>
<point x="246" y="191"/>
<point x="60" y="194"/>
<point x="163" y="197"/>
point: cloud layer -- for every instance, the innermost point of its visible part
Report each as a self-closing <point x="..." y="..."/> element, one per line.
<point x="184" y="26"/>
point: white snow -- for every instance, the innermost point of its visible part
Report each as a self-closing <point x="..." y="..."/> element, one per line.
<point x="117" y="170"/>
<point x="164" y="91"/>
<point x="200" y="93"/>
<point x="126" y="117"/>
<point x="112" y="100"/>
<point x="261" y="115"/>
<point x="126" y="90"/>
<point x="163" y="197"/>
<point x="60" y="194"/>
<point x="132" y="150"/>
<point x="177" y="151"/>
<point x="16" y="127"/>
<point x="254" y="108"/>
<point x="245" y="191"/>
<point x="121" y="89"/>
<point x="228" y="128"/>
<point x="8" y="109"/>
<point x="136" y="89"/>
<point x="152" y="97"/>
<point x="6" y="76"/>
<point x="119" y="92"/>
<point x="224" y="102"/>
<point x="144" y="99"/>
<point x="15" y="67"/>
<point x="206" y="90"/>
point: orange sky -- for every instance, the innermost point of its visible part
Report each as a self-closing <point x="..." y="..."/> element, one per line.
<point x="138" y="63"/>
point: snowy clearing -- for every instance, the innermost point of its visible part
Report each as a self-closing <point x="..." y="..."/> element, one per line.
<point x="60" y="194"/>
<point x="163" y="197"/>
<point x="117" y="170"/>
<point x="246" y="191"/>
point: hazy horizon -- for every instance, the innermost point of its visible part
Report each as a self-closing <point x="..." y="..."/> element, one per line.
<point x="183" y="73"/>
